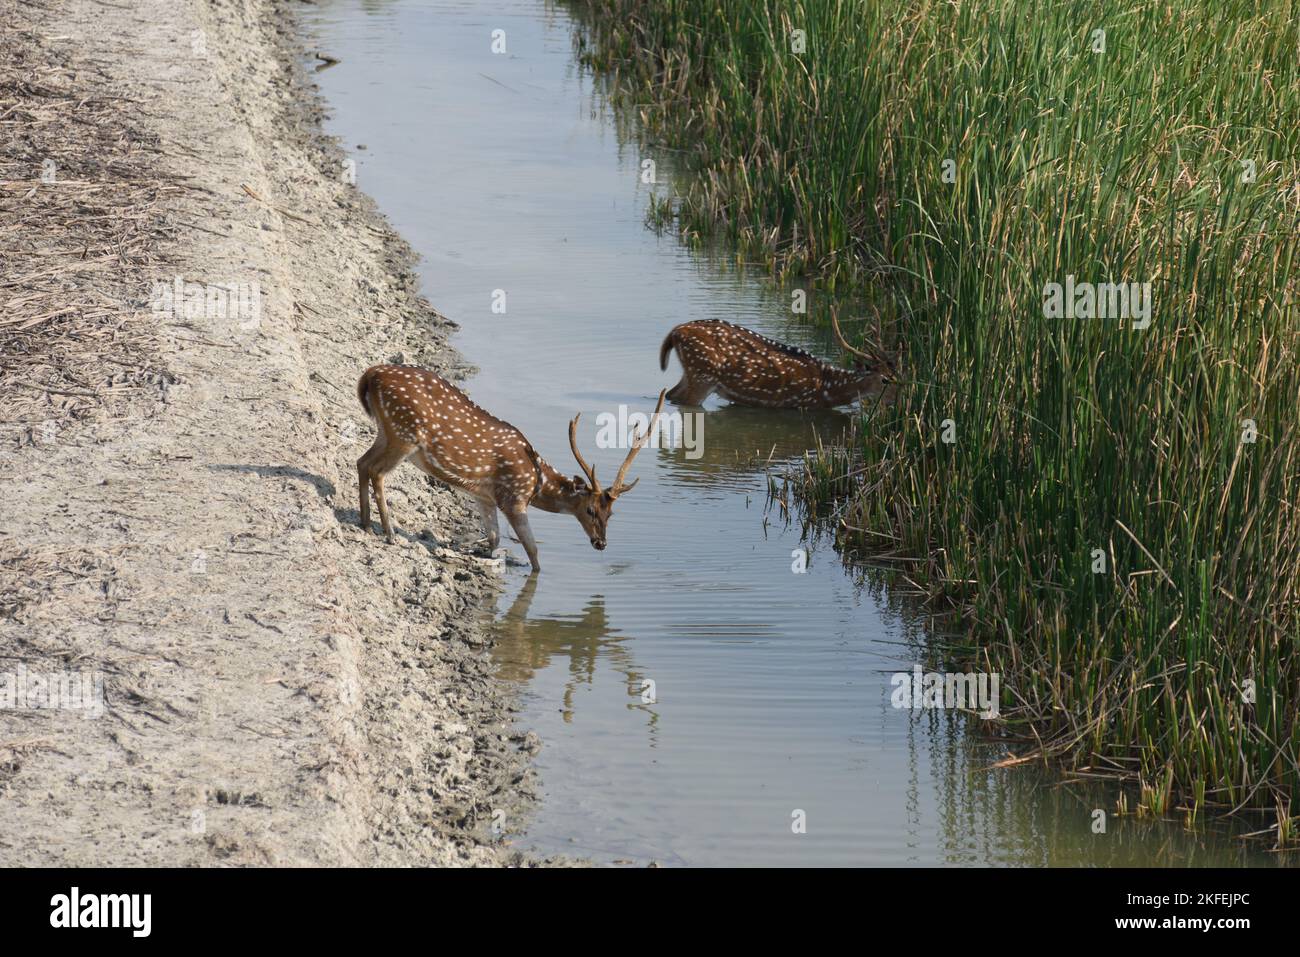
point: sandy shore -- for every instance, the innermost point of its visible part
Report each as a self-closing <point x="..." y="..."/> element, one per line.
<point x="181" y="504"/>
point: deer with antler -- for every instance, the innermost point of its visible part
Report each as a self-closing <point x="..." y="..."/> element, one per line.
<point x="751" y="369"/>
<point x="423" y="417"/>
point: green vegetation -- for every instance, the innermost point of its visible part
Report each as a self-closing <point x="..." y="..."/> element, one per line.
<point x="1167" y="154"/>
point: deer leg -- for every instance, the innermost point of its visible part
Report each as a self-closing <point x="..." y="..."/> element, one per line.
<point x="690" y="391"/>
<point x="379" y="466"/>
<point x="519" y="522"/>
<point x="363" y="479"/>
<point x="378" y="482"/>
<point x="487" y="511"/>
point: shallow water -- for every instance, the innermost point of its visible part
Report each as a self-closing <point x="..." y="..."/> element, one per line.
<point x="771" y="688"/>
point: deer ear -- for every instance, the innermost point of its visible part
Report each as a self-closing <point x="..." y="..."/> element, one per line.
<point x="579" y="481"/>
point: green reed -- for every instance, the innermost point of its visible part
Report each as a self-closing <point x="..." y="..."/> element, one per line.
<point x="947" y="160"/>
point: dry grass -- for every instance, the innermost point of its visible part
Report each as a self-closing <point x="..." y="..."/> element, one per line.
<point x="82" y="219"/>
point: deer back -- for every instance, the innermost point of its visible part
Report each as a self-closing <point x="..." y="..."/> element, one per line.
<point x="457" y="440"/>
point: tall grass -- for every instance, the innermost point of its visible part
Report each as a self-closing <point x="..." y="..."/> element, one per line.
<point x="1079" y="443"/>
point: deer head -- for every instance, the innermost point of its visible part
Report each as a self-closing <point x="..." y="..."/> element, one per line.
<point x="876" y="372"/>
<point x="592" y="504"/>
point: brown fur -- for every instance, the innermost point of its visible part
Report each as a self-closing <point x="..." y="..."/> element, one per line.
<point x="750" y="369"/>
<point x="423" y="417"/>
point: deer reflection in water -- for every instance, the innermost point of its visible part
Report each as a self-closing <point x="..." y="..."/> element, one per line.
<point x="525" y="646"/>
<point x="743" y="442"/>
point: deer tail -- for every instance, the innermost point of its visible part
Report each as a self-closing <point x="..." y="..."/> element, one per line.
<point x="670" y="341"/>
<point x="363" y="389"/>
<point x="537" y="469"/>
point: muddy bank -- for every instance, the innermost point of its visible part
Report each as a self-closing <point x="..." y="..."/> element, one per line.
<point x="180" y="529"/>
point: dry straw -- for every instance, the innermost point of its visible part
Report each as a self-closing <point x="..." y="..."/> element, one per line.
<point x="82" y="218"/>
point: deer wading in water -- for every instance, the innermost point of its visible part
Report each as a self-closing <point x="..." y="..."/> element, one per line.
<point x="423" y="417"/>
<point x="751" y="369"/>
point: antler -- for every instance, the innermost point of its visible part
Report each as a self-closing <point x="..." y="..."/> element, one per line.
<point x="573" y="444"/>
<point x="869" y="356"/>
<point x="619" y="488"/>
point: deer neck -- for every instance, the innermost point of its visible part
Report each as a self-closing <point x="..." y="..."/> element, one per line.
<point x="558" y="492"/>
<point x="844" y="385"/>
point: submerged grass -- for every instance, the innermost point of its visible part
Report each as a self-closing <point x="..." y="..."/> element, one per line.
<point x="1112" y="506"/>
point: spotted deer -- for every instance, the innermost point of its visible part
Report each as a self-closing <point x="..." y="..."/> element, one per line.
<point x="751" y="369"/>
<point x="423" y="417"/>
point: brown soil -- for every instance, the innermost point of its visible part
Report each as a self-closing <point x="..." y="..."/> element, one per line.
<point x="180" y="515"/>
